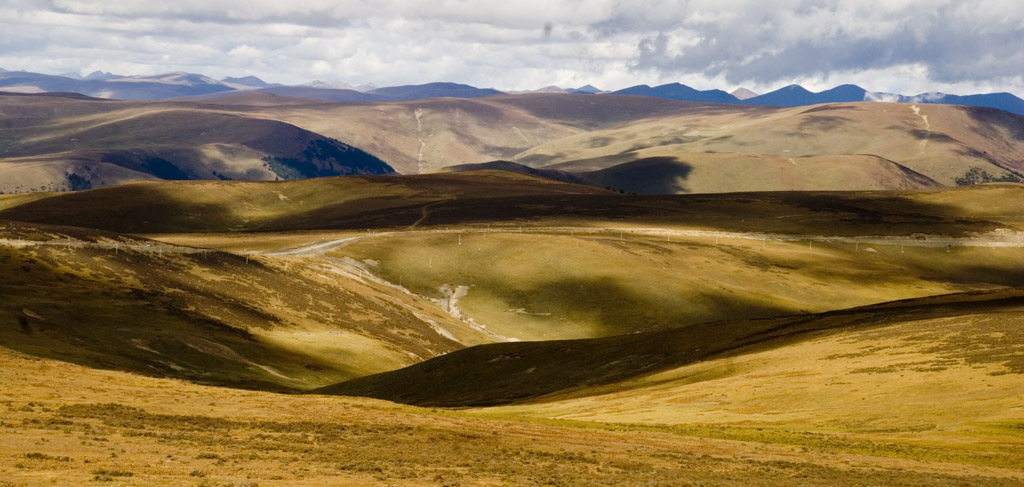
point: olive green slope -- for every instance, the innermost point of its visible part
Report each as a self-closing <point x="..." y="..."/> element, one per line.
<point x="111" y="301"/>
<point x="946" y="334"/>
<point x="321" y="203"/>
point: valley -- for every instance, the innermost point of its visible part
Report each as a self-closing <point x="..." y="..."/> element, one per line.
<point x="487" y="244"/>
<point x="530" y="331"/>
<point x="628" y="143"/>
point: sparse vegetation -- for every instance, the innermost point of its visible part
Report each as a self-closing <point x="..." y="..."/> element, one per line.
<point x="804" y="388"/>
<point x="977" y="175"/>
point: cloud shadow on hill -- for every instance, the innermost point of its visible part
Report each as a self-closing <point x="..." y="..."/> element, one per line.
<point x="509" y="373"/>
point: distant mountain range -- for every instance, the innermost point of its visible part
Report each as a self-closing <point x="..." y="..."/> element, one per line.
<point x="179" y="85"/>
<point x="676" y="91"/>
<point x="796" y="95"/>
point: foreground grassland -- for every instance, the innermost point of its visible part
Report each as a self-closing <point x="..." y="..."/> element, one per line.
<point x="70" y="425"/>
<point x="158" y="334"/>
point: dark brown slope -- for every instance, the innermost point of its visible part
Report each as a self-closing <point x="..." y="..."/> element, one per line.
<point x="495" y="374"/>
<point x="486" y="197"/>
<point x="321" y="203"/>
<point x="78" y="144"/>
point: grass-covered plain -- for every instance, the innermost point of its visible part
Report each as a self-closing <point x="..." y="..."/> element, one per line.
<point x="113" y="428"/>
<point x="713" y="340"/>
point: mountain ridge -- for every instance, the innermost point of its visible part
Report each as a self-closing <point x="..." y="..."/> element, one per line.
<point x="179" y="84"/>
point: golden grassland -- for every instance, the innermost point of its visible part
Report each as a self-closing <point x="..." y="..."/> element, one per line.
<point x="932" y="380"/>
<point x="126" y="303"/>
<point x="544" y="286"/>
<point x="65" y="424"/>
<point x="713" y="342"/>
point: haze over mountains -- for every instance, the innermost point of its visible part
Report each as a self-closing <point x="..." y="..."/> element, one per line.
<point x="175" y="85"/>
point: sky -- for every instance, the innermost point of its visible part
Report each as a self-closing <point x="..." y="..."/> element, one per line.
<point x="898" y="46"/>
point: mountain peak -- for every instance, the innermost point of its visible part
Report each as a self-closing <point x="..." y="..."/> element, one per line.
<point x="99" y="75"/>
<point x="439" y="89"/>
<point x="742" y="93"/>
<point x="679" y="91"/>
<point x="250" y="81"/>
<point x="793" y="88"/>
<point x="585" y="89"/>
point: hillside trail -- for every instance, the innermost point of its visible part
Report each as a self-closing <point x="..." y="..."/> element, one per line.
<point x="927" y="127"/>
<point x="425" y="212"/>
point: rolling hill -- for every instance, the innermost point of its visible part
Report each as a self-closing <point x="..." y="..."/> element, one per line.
<point x="111" y="301"/>
<point x="491" y="246"/>
<point x="115" y="427"/>
<point x="951" y="334"/>
<point x="356" y="202"/>
<point x="662" y="146"/>
<point x="752" y="338"/>
<point x="940" y="143"/>
<point x="54" y="143"/>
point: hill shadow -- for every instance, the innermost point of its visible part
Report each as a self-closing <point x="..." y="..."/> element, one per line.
<point x="991" y="122"/>
<point x="515" y="373"/>
<point x="651" y="175"/>
<point x="134" y="208"/>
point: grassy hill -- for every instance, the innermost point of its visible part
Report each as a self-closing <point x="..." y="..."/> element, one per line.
<point x="925" y="335"/>
<point x="423" y="136"/>
<point x="942" y="143"/>
<point x="736" y="172"/>
<point x="545" y="285"/>
<point x="118" y="428"/>
<point x="322" y="203"/>
<point x="938" y="376"/>
<point x="724" y="339"/>
<point x="55" y="143"/>
<point x="499" y="196"/>
<point x="117" y="302"/>
<point x="534" y="259"/>
<point x="633" y="143"/>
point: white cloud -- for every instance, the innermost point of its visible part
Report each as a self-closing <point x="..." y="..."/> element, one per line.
<point x="910" y="46"/>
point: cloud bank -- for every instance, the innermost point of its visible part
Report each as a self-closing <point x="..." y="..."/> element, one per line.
<point x="899" y="45"/>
